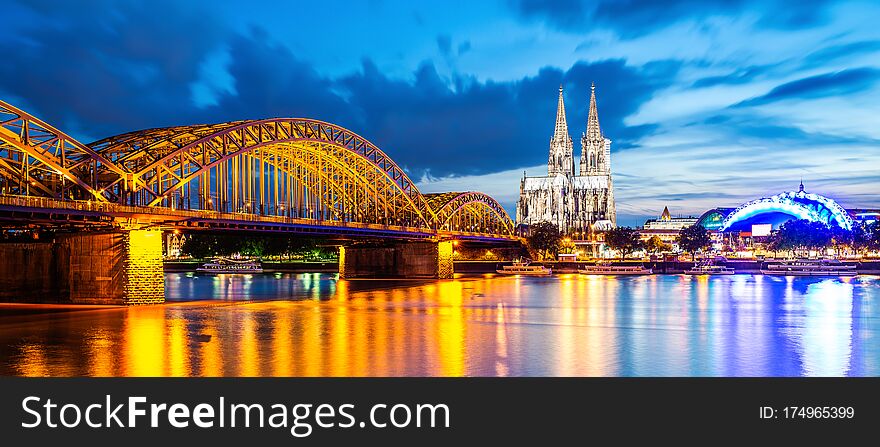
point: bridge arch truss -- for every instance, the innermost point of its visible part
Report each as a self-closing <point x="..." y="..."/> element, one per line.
<point x="283" y="167"/>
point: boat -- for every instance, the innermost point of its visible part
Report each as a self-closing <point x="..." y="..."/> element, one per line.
<point x="609" y="269"/>
<point x="524" y="267"/>
<point x="709" y="269"/>
<point x="810" y="267"/>
<point x="231" y="265"/>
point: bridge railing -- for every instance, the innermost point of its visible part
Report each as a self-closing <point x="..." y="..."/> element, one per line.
<point x="115" y="209"/>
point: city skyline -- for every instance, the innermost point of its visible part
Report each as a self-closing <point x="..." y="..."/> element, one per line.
<point x="691" y="95"/>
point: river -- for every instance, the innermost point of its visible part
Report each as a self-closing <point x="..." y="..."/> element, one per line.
<point x="314" y="324"/>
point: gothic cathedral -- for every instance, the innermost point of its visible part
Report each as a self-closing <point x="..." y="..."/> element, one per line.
<point x="577" y="203"/>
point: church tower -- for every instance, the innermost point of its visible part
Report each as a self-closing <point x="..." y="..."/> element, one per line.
<point x="561" y="160"/>
<point x="577" y="203"/>
<point x="595" y="148"/>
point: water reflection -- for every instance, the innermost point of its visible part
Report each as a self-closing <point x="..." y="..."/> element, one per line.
<point x="568" y="325"/>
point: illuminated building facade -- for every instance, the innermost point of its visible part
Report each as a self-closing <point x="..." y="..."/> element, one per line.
<point x="761" y="217"/>
<point x="578" y="203"/>
<point x="174" y="244"/>
<point x="666" y="227"/>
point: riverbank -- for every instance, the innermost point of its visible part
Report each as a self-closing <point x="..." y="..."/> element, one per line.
<point x="668" y="267"/>
<point x="477" y="267"/>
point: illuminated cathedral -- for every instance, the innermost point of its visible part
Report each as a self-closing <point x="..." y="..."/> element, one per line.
<point x="577" y="202"/>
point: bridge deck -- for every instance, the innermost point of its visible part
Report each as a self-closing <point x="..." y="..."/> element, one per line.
<point x="41" y="210"/>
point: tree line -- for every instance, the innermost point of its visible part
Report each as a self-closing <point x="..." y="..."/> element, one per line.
<point x="206" y="245"/>
<point x="793" y="236"/>
<point x="804" y="235"/>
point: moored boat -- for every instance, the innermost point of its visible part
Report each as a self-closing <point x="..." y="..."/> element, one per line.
<point x="810" y="267"/>
<point x="609" y="269"/>
<point x="524" y="268"/>
<point x="709" y="269"/>
<point x="231" y="265"/>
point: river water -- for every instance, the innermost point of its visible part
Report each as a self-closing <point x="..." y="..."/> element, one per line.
<point x="567" y="325"/>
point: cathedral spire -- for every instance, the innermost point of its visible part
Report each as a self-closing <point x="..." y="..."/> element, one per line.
<point x="561" y="160"/>
<point x="594" y="132"/>
<point x="595" y="148"/>
<point x="561" y="132"/>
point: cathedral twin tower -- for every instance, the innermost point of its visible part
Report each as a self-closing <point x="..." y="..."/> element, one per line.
<point x="576" y="202"/>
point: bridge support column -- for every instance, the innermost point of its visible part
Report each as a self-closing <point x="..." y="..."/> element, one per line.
<point x="143" y="274"/>
<point x="402" y="259"/>
<point x="121" y="268"/>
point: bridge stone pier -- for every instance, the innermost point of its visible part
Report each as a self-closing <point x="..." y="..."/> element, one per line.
<point x="403" y="259"/>
<point x="122" y="268"/>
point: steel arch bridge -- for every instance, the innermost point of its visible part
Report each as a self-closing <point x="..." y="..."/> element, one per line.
<point x="279" y="171"/>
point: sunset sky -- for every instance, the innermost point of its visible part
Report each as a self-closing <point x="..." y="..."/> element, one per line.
<point x="708" y="103"/>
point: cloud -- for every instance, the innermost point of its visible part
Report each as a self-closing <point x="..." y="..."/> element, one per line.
<point x="841" y="51"/>
<point x="444" y="44"/>
<point x="634" y="18"/>
<point x="840" y="83"/>
<point x="126" y="69"/>
<point x="694" y="110"/>
<point x="740" y="76"/>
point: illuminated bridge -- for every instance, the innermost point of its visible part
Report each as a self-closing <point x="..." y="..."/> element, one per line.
<point x="281" y="175"/>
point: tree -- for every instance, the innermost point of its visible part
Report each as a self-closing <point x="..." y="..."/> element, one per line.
<point x="840" y="239"/>
<point x="866" y="237"/>
<point x="623" y="239"/>
<point x="655" y="245"/>
<point x="861" y="237"/>
<point x="200" y="245"/>
<point x="802" y="234"/>
<point x="693" y="239"/>
<point x="544" y="238"/>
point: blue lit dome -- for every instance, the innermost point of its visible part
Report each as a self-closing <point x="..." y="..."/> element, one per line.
<point x="783" y="207"/>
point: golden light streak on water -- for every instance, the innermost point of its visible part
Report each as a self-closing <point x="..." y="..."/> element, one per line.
<point x="100" y="346"/>
<point x="209" y="353"/>
<point x="33" y="361"/>
<point x="178" y="348"/>
<point x="450" y="329"/>
<point x="144" y="341"/>
<point x="282" y="344"/>
<point x="311" y="359"/>
<point x="249" y="346"/>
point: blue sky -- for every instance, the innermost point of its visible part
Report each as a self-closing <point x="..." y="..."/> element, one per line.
<point x="708" y="103"/>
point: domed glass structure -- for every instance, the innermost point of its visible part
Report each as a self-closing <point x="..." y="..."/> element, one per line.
<point x="783" y="207"/>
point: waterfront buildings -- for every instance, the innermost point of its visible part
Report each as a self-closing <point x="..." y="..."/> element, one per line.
<point x="762" y="216"/>
<point x="578" y="202"/>
<point x="666" y="227"/>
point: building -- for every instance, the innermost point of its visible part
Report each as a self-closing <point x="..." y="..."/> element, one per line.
<point x="173" y="244"/>
<point x="578" y="202"/>
<point x="760" y="217"/>
<point x="666" y="227"/>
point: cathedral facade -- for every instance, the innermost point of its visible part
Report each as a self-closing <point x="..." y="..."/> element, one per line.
<point x="579" y="201"/>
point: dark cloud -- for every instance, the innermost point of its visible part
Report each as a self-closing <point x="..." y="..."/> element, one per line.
<point x="842" y="51"/>
<point x="632" y="18"/>
<point x="444" y="44"/>
<point x="128" y="68"/>
<point x="741" y="76"/>
<point x="270" y="81"/>
<point x="742" y="127"/>
<point x="567" y="14"/>
<point x="464" y="47"/>
<point x="839" y="83"/>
